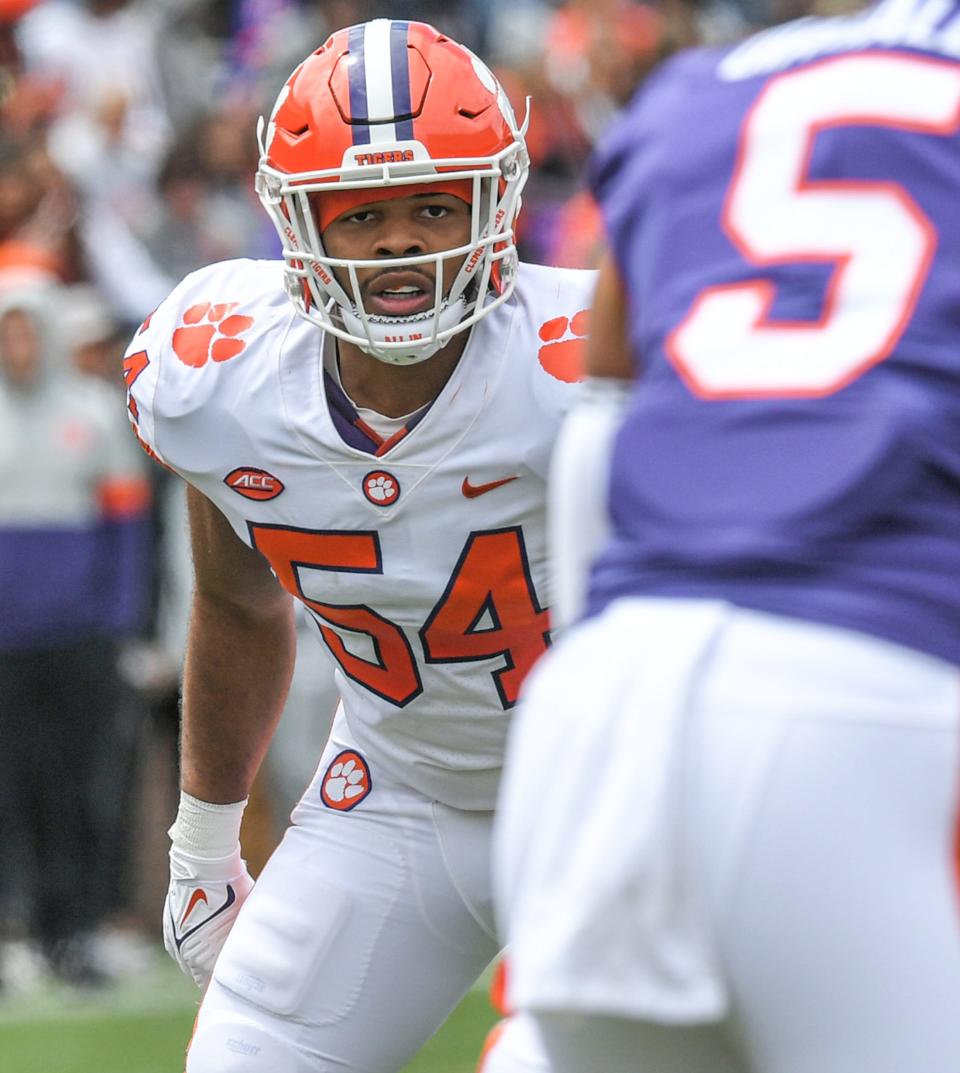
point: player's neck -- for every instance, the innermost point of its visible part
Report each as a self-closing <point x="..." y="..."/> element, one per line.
<point x="395" y="390"/>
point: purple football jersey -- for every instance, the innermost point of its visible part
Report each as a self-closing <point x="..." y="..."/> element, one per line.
<point x="786" y="217"/>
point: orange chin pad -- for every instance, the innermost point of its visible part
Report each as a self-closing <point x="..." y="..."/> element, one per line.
<point x="328" y="206"/>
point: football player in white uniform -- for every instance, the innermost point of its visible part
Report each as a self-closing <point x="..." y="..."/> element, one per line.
<point x="365" y="426"/>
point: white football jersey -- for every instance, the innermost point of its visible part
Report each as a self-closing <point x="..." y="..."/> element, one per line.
<point x="424" y="564"/>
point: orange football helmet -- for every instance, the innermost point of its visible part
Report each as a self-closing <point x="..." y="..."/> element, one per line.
<point x="379" y="110"/>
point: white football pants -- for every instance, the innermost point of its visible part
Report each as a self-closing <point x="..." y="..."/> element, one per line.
<point x="363" y="932"/>
<point x="726" y="843"/>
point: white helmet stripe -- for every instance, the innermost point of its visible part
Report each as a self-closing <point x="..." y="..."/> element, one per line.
<point x="378" y="69"/>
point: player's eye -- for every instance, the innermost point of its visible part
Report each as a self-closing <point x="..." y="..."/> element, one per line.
<point x="361" y="217"/>
<point x="435" y="212"/>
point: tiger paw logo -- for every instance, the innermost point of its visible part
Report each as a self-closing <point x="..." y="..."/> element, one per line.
<point x="381" y="488"/>
<point x="563" y="346"/>
<point x="346" y="781"/>
<point x="209" y="333"/>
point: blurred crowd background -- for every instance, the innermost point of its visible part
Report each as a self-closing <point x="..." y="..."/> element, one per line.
<point x="127" y="153"/>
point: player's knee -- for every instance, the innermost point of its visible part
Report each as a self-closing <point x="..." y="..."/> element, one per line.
<point x="513" y="1046"/>
<point x="239" y="1046"/>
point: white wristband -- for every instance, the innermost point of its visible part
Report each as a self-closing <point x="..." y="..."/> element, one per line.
<point x="205" y="830"/>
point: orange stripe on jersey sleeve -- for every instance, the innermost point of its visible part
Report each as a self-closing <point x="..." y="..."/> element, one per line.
<point x="148" y="450"/>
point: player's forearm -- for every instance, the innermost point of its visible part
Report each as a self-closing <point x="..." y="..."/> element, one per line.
<point x="236" y="677"/>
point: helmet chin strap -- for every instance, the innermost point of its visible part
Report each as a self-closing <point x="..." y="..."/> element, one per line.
<point x="375" y="329"/>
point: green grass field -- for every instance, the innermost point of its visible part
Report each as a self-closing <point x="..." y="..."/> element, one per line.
<point x="142" y="1027"/>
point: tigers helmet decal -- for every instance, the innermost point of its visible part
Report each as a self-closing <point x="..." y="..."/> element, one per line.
<point x="385" y="109"/>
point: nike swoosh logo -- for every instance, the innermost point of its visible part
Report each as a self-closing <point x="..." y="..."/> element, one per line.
<point x="471" y="491"/>
<point x="199" y="895"/>
<point x="231" y="898"/>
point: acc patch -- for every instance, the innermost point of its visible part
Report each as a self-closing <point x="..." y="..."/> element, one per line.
<point x="346" y="782"/>
<point x="253" y="483"/>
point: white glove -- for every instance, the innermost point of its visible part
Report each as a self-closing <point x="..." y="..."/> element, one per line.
<point x="208" y="884"/>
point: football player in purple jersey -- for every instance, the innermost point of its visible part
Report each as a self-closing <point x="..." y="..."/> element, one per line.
<point x="727" y="837"/>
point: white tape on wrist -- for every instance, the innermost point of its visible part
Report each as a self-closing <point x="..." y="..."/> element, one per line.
<point x="205" y="830"/>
